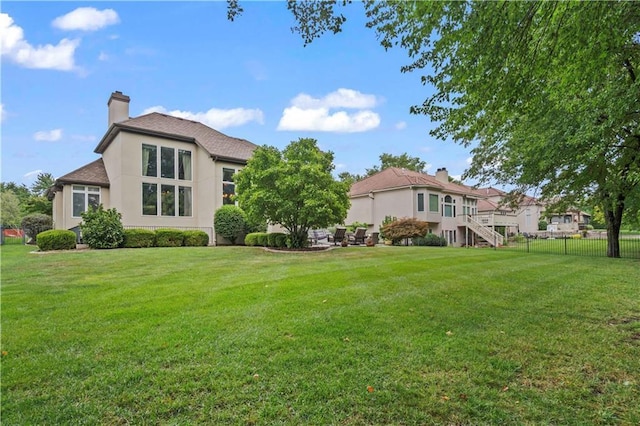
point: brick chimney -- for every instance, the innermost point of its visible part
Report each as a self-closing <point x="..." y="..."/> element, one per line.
<point x="442" y="175"/>
<point x="118" y="107"/>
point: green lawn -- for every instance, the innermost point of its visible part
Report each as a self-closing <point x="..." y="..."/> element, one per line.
<point x="353" y="336"/>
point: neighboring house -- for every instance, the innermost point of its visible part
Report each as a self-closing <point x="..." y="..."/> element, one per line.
<point x="156" y="170"/>
<point x="519" y="217"/>
<point x="572" y="220"/>
<point x="447" y="207"/>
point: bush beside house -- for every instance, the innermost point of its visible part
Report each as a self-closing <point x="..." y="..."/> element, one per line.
<point x="56" y="239"/>
<point x="36" y="223"/>
<point x="102" y="229"/>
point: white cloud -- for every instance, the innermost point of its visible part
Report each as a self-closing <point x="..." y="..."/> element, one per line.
<point x="103" y="56"/>
<point x="215" y="118"/>
<point x="341" y="98"/>
<point x="307" y="113"/>
<point x="3" y="113"/>
<point x="32" y="174"/>
<point x="48" y="135"/>
<point x="86" y="19"/>
<point x="17" y="49"/>
<point x="320" y="120"/>
<point x="428" y="166"/>
<point x="401" y="125"/>
<point x="469" y="160"/>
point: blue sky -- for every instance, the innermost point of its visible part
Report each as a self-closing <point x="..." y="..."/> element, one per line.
<point x="252" y="78"/>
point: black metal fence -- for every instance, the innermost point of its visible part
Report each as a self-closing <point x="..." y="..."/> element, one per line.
<point x="574" y="244"/>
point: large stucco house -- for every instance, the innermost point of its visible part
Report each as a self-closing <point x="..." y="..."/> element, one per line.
<point x="448" y="207"/>
<point x="156" y="170"/>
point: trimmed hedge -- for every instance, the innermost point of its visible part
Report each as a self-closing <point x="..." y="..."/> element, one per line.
<point x="429" y="240"/>
<point x="273" y="239"/>
<point x="251" y="239"/>
<point x="196" y="238"/>
<point x="168" y="237"/>
<point x="138" y="238"/>
<point x="56" y="239"/>
<point x="263" y="239"/>
<point x="277" y="239"/>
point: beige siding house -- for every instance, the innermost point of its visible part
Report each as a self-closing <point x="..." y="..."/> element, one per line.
<point x="448" y="207"/>
<point x="156" y="170"/>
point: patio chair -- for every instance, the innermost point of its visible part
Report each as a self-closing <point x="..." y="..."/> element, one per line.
<point x="359" y="236"/>
<point x="338" y="236"/>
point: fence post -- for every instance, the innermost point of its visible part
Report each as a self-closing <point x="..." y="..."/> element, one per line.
<point x="527" y="239"/>
<point x="565" y="244"/>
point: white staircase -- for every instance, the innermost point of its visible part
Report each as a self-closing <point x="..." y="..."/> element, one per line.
<point x="486" y="233"/>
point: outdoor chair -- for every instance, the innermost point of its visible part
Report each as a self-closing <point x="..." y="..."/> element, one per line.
<point x="338" y="236"/>
<point x="317" y="235"/>
<point x="359" y="236"/>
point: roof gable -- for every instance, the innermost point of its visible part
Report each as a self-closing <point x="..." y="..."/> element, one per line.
<point x="93" y="173"/>
<point x="215" y="143"/>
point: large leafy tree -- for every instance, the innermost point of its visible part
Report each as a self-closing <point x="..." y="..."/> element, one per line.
<point x="293" y="188"/>
<point x="546" y="93"/>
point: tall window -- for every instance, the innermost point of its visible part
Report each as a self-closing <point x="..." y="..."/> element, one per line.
<point x="184" y="201"/>
<point x="184" y="164"/>
<point x="434" y="203"/>
<point x="85" y="197"/>
<point x="149" y="160"/>
<point x="449" y="207"/>
<point x="167" y="162"/>
<point x="420" y="202"/>
<point x="228" y="187"/>
<point x="168" y="202"/>
<point x="149" y="199"/>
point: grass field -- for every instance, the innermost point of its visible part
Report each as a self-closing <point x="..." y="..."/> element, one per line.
<point x="353" y="336"/>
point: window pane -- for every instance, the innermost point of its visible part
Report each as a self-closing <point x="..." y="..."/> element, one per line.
<point x="149" y="199"/>
<point x="168" y="200"/>
<point x="448" y="211"/>
<point x="94" y="201"/>
<point x="149" y="160"/>
<point x="168" y="163"/>
<point x="227" y="175"/>
<point x="184" y="164"/>
<point x="78" y="203"/>
<point x="420" y="202"/>
<point x="184" y="201"/>
<point x="433" y="203"/>
<point x="228" y="190"/>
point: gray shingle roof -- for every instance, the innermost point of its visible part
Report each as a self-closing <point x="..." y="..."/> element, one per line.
<point x="93" y="173"/>
<point x="215" y="143"/>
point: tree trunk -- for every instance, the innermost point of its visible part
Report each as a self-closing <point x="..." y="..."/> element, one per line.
<point x="613" y="220"/>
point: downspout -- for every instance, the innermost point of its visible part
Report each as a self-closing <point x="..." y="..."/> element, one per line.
<point x="214" y="158"/>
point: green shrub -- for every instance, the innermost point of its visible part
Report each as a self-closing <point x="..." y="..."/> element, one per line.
<point x="262" y="239"/>
<point x="196" y="238"/>
<point x="387" y="220"/>
<point x="56" y="239"/>
<point x="277" y="239"/>
<point x="102" y="229"/>
<point x="36" y="223"/>
<point x="354" y="225"/>
<point x="542" y="225"/>
<point x="230" y="222"/>
<point x="429" y="240"/>
<point x="167" y="237"/>
<point x="251" y="239"/>
<point x="138" y="238"/>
